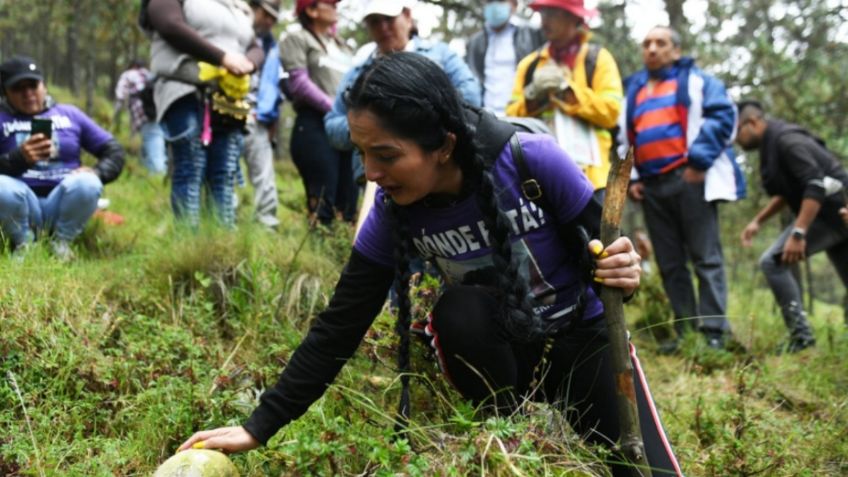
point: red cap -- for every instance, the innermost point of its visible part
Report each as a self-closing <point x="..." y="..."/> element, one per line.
<point x="302" y="5"/>
<point x="576" y="7"/>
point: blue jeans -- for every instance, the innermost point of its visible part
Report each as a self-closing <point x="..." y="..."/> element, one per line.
<point x="196" y="165"/>
<point x="64" y="212"/>
<point x="154" y="157"/>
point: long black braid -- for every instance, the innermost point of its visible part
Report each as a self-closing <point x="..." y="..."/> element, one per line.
<point x="402" y="255"/>
<point x="413" y="98"/>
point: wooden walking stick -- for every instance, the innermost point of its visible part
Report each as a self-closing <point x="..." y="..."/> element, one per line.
<point x="630" y="440"/>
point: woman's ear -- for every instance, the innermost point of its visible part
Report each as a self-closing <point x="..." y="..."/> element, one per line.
<point x="447" y="148"/>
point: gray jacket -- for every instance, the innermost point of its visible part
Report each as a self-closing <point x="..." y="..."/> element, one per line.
<point x="525" y="39"/>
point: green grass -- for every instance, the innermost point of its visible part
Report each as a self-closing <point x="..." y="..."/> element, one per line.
<point x="155" y="332"/>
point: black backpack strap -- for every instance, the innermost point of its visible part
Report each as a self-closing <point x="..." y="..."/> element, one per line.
<point x="591" y="62"/>
<point x="493" y="133"/>
<point x="573" y="236"/>
<point x="531" y="68"/>
<point x="530" y="188"/>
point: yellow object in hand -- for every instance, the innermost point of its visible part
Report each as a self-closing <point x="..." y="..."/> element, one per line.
<point x="234" y="86"/>
<point x="597" y="248"/>
<point x="199" y="445"/>
<point x="209" y="72"/>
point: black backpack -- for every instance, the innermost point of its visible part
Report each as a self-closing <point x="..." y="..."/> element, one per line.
<point x="145" y="95"/>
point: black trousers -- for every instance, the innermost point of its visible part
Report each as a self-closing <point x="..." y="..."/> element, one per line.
<point x="488" y="368"/>
<point x="326" y="172"/>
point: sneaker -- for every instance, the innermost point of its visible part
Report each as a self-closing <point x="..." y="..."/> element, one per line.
<point x="794" y="345"/>
<point x="61" y="249"/>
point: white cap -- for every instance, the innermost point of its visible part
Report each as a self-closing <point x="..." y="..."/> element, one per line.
<point x="387" y="8"/>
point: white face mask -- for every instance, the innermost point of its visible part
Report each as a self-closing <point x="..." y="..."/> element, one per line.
<point x="496" y="14"/>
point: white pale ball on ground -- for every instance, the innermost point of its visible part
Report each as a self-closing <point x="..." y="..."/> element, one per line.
<point x="197" y="463"/>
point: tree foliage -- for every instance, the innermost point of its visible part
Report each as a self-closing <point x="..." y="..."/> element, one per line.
<point x="81" y="44"/>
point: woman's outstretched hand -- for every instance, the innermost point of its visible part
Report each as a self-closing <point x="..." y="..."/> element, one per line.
<point x="618" y="265"/>
<point x="227" y="439"/>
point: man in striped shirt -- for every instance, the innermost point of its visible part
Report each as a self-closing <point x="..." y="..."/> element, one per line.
<point x="681" y="123"/>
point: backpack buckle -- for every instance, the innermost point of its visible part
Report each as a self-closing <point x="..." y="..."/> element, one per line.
<point x="531" y="189"/>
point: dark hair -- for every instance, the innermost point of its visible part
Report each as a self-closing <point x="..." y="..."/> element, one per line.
<point x="676" y="39"/>
<point x="413" y="98"/>
<point x="750" y="108"/>
<point x="303" y="17"/>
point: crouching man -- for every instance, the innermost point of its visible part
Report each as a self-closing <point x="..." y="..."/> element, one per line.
<point x="798" y="171"/>
<point x="44" y="188"/>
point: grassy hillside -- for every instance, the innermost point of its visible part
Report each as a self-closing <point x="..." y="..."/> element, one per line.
<point x="108" y="362"/>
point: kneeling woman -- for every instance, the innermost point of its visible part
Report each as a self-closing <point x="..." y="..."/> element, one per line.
<point x="447" y="196"/>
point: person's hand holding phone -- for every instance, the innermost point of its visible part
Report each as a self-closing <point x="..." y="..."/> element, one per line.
<point x="36" y="148"/>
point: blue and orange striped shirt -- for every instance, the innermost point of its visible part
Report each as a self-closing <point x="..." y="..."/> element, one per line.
<point x="659" y="124"/>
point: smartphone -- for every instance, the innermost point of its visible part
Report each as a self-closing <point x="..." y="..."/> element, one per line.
<point x="43" y="126"/>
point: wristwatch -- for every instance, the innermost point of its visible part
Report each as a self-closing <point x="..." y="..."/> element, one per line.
<point x="798" y="233"/>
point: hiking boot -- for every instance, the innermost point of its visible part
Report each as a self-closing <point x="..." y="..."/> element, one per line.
<point x="794" y="345"/>
<point x="61" y="249"/>
<point x="800" y="334"/>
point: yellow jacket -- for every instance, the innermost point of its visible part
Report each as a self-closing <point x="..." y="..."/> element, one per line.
<point x="599" y="105"/>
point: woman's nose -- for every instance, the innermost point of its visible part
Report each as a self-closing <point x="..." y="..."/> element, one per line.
<point x="373" y="172"/>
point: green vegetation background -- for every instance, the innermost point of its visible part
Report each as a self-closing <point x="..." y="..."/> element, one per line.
<point x="109" y="362"/>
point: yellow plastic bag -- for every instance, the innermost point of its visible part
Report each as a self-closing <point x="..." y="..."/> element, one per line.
<point x="234" y="86"/>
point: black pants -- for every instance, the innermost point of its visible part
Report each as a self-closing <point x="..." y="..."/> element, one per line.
<point x="486" y="367"/>
<point x="326" y="172"/>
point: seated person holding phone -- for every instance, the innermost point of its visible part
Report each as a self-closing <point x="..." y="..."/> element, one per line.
<point x="44" y="188"/>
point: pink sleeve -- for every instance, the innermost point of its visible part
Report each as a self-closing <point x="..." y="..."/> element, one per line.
<point x="303" y="90"/>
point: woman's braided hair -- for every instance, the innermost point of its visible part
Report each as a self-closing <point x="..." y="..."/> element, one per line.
<point x="414" y="99"/>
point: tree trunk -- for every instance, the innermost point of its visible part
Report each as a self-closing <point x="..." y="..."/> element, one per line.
<point x="72" y="54"/>
<point x="677" y="20"/>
